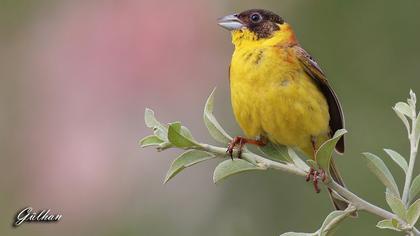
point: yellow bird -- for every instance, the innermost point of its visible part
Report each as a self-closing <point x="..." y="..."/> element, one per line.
<point x="278" y="91"/>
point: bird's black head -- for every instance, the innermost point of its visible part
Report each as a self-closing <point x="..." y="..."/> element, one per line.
<point x="261" y="22"/>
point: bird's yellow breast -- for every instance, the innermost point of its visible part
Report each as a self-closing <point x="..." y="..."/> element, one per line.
<point x="272" y="96"/>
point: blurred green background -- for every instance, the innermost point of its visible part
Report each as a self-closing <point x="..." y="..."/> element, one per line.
<point x="77" y="75"/>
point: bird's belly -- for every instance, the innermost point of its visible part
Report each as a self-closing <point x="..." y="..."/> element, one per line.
<point x="280" y="102"/>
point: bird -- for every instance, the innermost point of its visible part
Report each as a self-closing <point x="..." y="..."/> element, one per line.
<point x="278" y="91"/>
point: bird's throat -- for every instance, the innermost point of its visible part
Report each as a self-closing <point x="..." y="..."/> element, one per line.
<point x="245" y="38"/>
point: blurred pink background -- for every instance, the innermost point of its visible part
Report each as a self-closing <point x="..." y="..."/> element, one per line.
<point x="88" y="70"/>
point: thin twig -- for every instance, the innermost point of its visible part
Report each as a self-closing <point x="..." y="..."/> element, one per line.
<point x="413" y="154"/>
<point x="256" y="159"/>
<point x="356" y="201"/>
<point x="360" y="203"/>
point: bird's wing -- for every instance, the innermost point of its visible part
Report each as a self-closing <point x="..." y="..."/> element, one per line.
<point x="314" y="71"/>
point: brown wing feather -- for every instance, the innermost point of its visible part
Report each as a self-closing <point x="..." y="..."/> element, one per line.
<point x="315" y="72"/>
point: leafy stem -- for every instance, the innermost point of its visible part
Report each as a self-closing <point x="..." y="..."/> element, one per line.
<point x="414" y="140"/>
<point x="265" y="163"/>
<point x="402" y="216"/>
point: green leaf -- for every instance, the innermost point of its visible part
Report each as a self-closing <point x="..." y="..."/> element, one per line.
<point x="186" y="133"/>
<point x="298" y="234"/>
<point x="213" y="126"/>
<point x="395" y="223"/>
<point x="328" y="226"/>
<point x="331" y="221"/>
<point x="397" y="158"/>
<point x="337" y="196"/>
<point x="413" y="213"/>
<point x="324" y="153"/>
<point x="162" y="133"/>
<point x="276" y="152"/>
<point x="378" y="167"/>
<point x="185" y="160"/>
<point x="312" y="164"/>
<point x="179" y="137"/>
<point x="231" y="167"/>
<point x="417" y="129"/>
<point x="149" y="118"/>
<point x="297" y="160"/>
<point x="151" y="140"/>
<point x="415" y="188"/>
<point x="403" y="119"/>
<point x="387" y="224"/>
<point x="404" y="108"/>
<point x="412" y="100"/>
<point x="160" y="130"/>
<point x="396" y="205"/>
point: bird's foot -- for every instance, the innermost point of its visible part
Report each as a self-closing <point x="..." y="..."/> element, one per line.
<point x="310" y="174"/>
<point x="236" y="142"/>
<point x="239" y="142"/>
<point x="316" y="175"/>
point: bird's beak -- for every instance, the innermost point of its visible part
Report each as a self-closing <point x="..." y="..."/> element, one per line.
<point x="231" y="22"/>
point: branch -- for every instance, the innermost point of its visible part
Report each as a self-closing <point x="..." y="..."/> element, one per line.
<point x="359" y="203"/>
<point x="255" y="159"/>
<point x="403" y="216"/>
<point x="353" y="199"/>
<point x="413" y="137"/>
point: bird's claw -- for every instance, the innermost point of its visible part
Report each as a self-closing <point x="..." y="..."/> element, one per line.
<point x="310" y="174"/>
<point x="237" y="141"/>
<point x="241" y="141"/>
<point x="316" y="175"/>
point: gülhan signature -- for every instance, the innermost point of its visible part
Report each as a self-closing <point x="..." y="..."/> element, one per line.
<point x="29" y="215"/>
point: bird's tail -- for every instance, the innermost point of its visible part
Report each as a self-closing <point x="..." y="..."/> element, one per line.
<point x="335" y="175"/>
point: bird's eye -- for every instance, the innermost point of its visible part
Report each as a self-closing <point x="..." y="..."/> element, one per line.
<point x="255" y="18"/>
